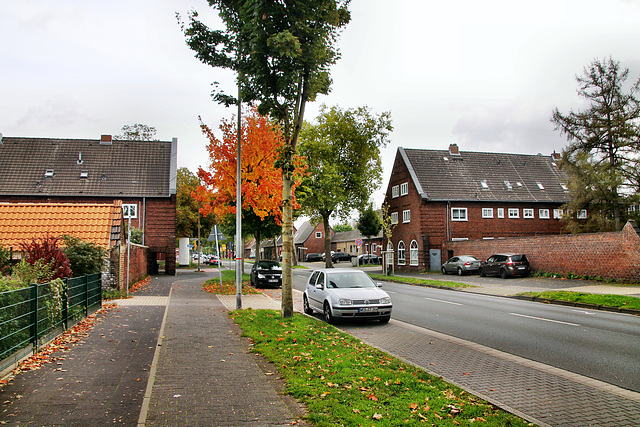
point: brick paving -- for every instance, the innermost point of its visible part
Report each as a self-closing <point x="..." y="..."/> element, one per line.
<point x="171" y="355"/>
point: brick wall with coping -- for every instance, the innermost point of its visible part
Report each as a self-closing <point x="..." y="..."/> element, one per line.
<point x="614" y="255"/>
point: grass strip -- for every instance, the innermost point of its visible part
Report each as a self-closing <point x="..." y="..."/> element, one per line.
<point x="620" y="301"/>
<point x="229" y="284"/>
<point x="343" y="381"/>
<point x="421" y="282"/>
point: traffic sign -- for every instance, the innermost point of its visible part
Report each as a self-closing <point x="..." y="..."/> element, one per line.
<point x="359" y="242"/>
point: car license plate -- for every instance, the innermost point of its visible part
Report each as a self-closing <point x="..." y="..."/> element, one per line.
<point x="273" y="280"/>
<point x="367" y="309"/>
<point x="521" y="268"/>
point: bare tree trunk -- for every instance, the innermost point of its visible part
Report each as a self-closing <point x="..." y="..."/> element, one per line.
<point x="327" y="241"/>
<point x="287" y="247"/>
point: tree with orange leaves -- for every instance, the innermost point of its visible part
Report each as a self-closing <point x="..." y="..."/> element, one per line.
<point x="262" y="141"/>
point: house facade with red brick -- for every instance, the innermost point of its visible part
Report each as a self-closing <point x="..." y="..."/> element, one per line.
<point x="437" y="196"/>
<point x="142" y="174"/>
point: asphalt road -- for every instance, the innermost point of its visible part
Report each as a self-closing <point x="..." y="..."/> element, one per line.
<point x="596" y="344"/>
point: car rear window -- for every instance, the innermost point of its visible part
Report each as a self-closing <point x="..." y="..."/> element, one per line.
<point x="519" y="258"/>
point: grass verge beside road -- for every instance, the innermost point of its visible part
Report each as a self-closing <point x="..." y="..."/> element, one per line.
<point x="618" y="301"/>
<point x="229" y="284"/>
<point x="421" y="282"/>
<point x="343" y="381"/>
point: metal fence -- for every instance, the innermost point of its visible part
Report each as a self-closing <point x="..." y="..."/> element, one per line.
<point x="33" y="316"/>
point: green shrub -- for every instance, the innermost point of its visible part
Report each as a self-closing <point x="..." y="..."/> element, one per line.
<point x="84" y="257"/>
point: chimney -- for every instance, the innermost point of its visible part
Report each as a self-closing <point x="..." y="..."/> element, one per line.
<point x="555" y="156"/>
<point x="453" y="150"/>
<point x="106" y="140"/>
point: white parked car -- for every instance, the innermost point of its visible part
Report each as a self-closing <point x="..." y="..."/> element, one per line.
<point x="345" y="293"/>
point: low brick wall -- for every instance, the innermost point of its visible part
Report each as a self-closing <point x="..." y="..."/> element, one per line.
<point x="138" y="267"/>
<point x="608" y="255"/>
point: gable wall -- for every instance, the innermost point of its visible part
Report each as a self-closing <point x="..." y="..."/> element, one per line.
<point x="313" y="244"/>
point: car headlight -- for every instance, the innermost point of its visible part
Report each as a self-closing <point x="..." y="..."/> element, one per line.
<point x="260" y="276"/>
<point x="345" y="301"/>
<point x="385" y="300"/>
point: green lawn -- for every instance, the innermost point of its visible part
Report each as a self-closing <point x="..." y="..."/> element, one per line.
<point x="343" y="381"/>
<point x="416" y="281"/>
<point x="620" y="301"/>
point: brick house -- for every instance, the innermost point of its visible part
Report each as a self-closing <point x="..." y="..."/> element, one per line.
<point x="309" y="239"/>
<point x="435" y="196"/>
<point x="142" y="174"/>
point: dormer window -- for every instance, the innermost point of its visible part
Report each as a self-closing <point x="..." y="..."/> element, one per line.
<point x="484" y="184"/>
<point x="540" y="186"/>
<point x="49" y="173"/>
<point x="84" y="174"/>
<point x="508" y="185"/>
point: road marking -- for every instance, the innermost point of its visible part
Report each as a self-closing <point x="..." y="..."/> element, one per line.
<point x="546" y="320"/>
<point x="584" y="312"/>
<point x="446" y="302"/>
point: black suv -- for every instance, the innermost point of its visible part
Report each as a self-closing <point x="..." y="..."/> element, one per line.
<point x="505" y="265"/>
<point x="340" y="256"/>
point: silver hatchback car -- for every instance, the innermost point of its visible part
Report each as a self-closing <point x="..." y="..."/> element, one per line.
<point x="345" y="293"/>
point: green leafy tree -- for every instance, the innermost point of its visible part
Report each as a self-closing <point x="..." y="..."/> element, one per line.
<point x="344" y="163"/>
<point x="84" y="257"/>
<point x="339" y="228"/>
<point x="252" y="226"/>
<point x="387" y="227"/>
<point x="137" y="132"/>
<point x="282" y="52"/>
<point x="602" y="157"/>
<point x="187" y="207"/>
<point x="369" y="223"/>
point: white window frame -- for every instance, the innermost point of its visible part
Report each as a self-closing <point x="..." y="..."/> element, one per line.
<point x="406" y="216"/>
<point x="394" y="217"/>
<point x="558" y="213"/>
<point x="514" y="212"/>
<point x="528" y="213"/>
<point x="500" y="212"/>
<point x="401" y="253"/>
<point x="404" y="188"/>
<point x="487" y="212"/>
<point x="413" y="253"/>
<point x="395" y="191"/>
<point x="127" y="208"/>
<point x="374" y="248"/>
<point x="456" y="214"/>
<point x="582" y="214"/>
<point x="318" y="234"/>
<point x="543" y="214"/>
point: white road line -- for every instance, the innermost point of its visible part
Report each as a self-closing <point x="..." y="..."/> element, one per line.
<point x="446" y="302"/>
<point x="543" y="319"/>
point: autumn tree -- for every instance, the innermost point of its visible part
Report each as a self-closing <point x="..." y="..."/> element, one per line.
<point x="387" y="229"/>
<point x="604" y="140"/>
<point x="344" y="164"/>
<point x="137" y="132"/>
<point x="48" y="250"/>
<point x="261" y="180"/>
<point x="282" y="52"/>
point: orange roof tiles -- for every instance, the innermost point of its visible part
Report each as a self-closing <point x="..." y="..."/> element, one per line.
<point x="96" y="223"/>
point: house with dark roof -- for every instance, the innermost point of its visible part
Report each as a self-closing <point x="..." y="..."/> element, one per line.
<point x="435" y="196"/>
<point x="142" y="174"/>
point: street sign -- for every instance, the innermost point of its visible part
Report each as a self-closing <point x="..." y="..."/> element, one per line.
<point x="359" y="242"/>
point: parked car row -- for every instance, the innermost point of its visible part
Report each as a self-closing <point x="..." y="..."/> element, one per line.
<point x="503" y="265"/>
<point x="337" y="257"/>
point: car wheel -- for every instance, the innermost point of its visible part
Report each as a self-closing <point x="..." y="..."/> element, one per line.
<point x="305" y="304"/>
<point x="444" y="270"/>
<point x="481" y="273"/>
<point x="385" y="319"/>
<point x="503" y="273"/>
<point x="460" y="272"/>
<point x="328" y="317"/>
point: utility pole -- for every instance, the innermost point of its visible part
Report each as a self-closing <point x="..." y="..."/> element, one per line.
<point x="239" y="245"/>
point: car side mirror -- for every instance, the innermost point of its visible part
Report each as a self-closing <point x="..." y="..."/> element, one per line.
<point x="379" y="284"/>
<point x="319" y="286"/>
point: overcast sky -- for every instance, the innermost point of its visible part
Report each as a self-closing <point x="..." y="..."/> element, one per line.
<point x="484" y="74"/>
